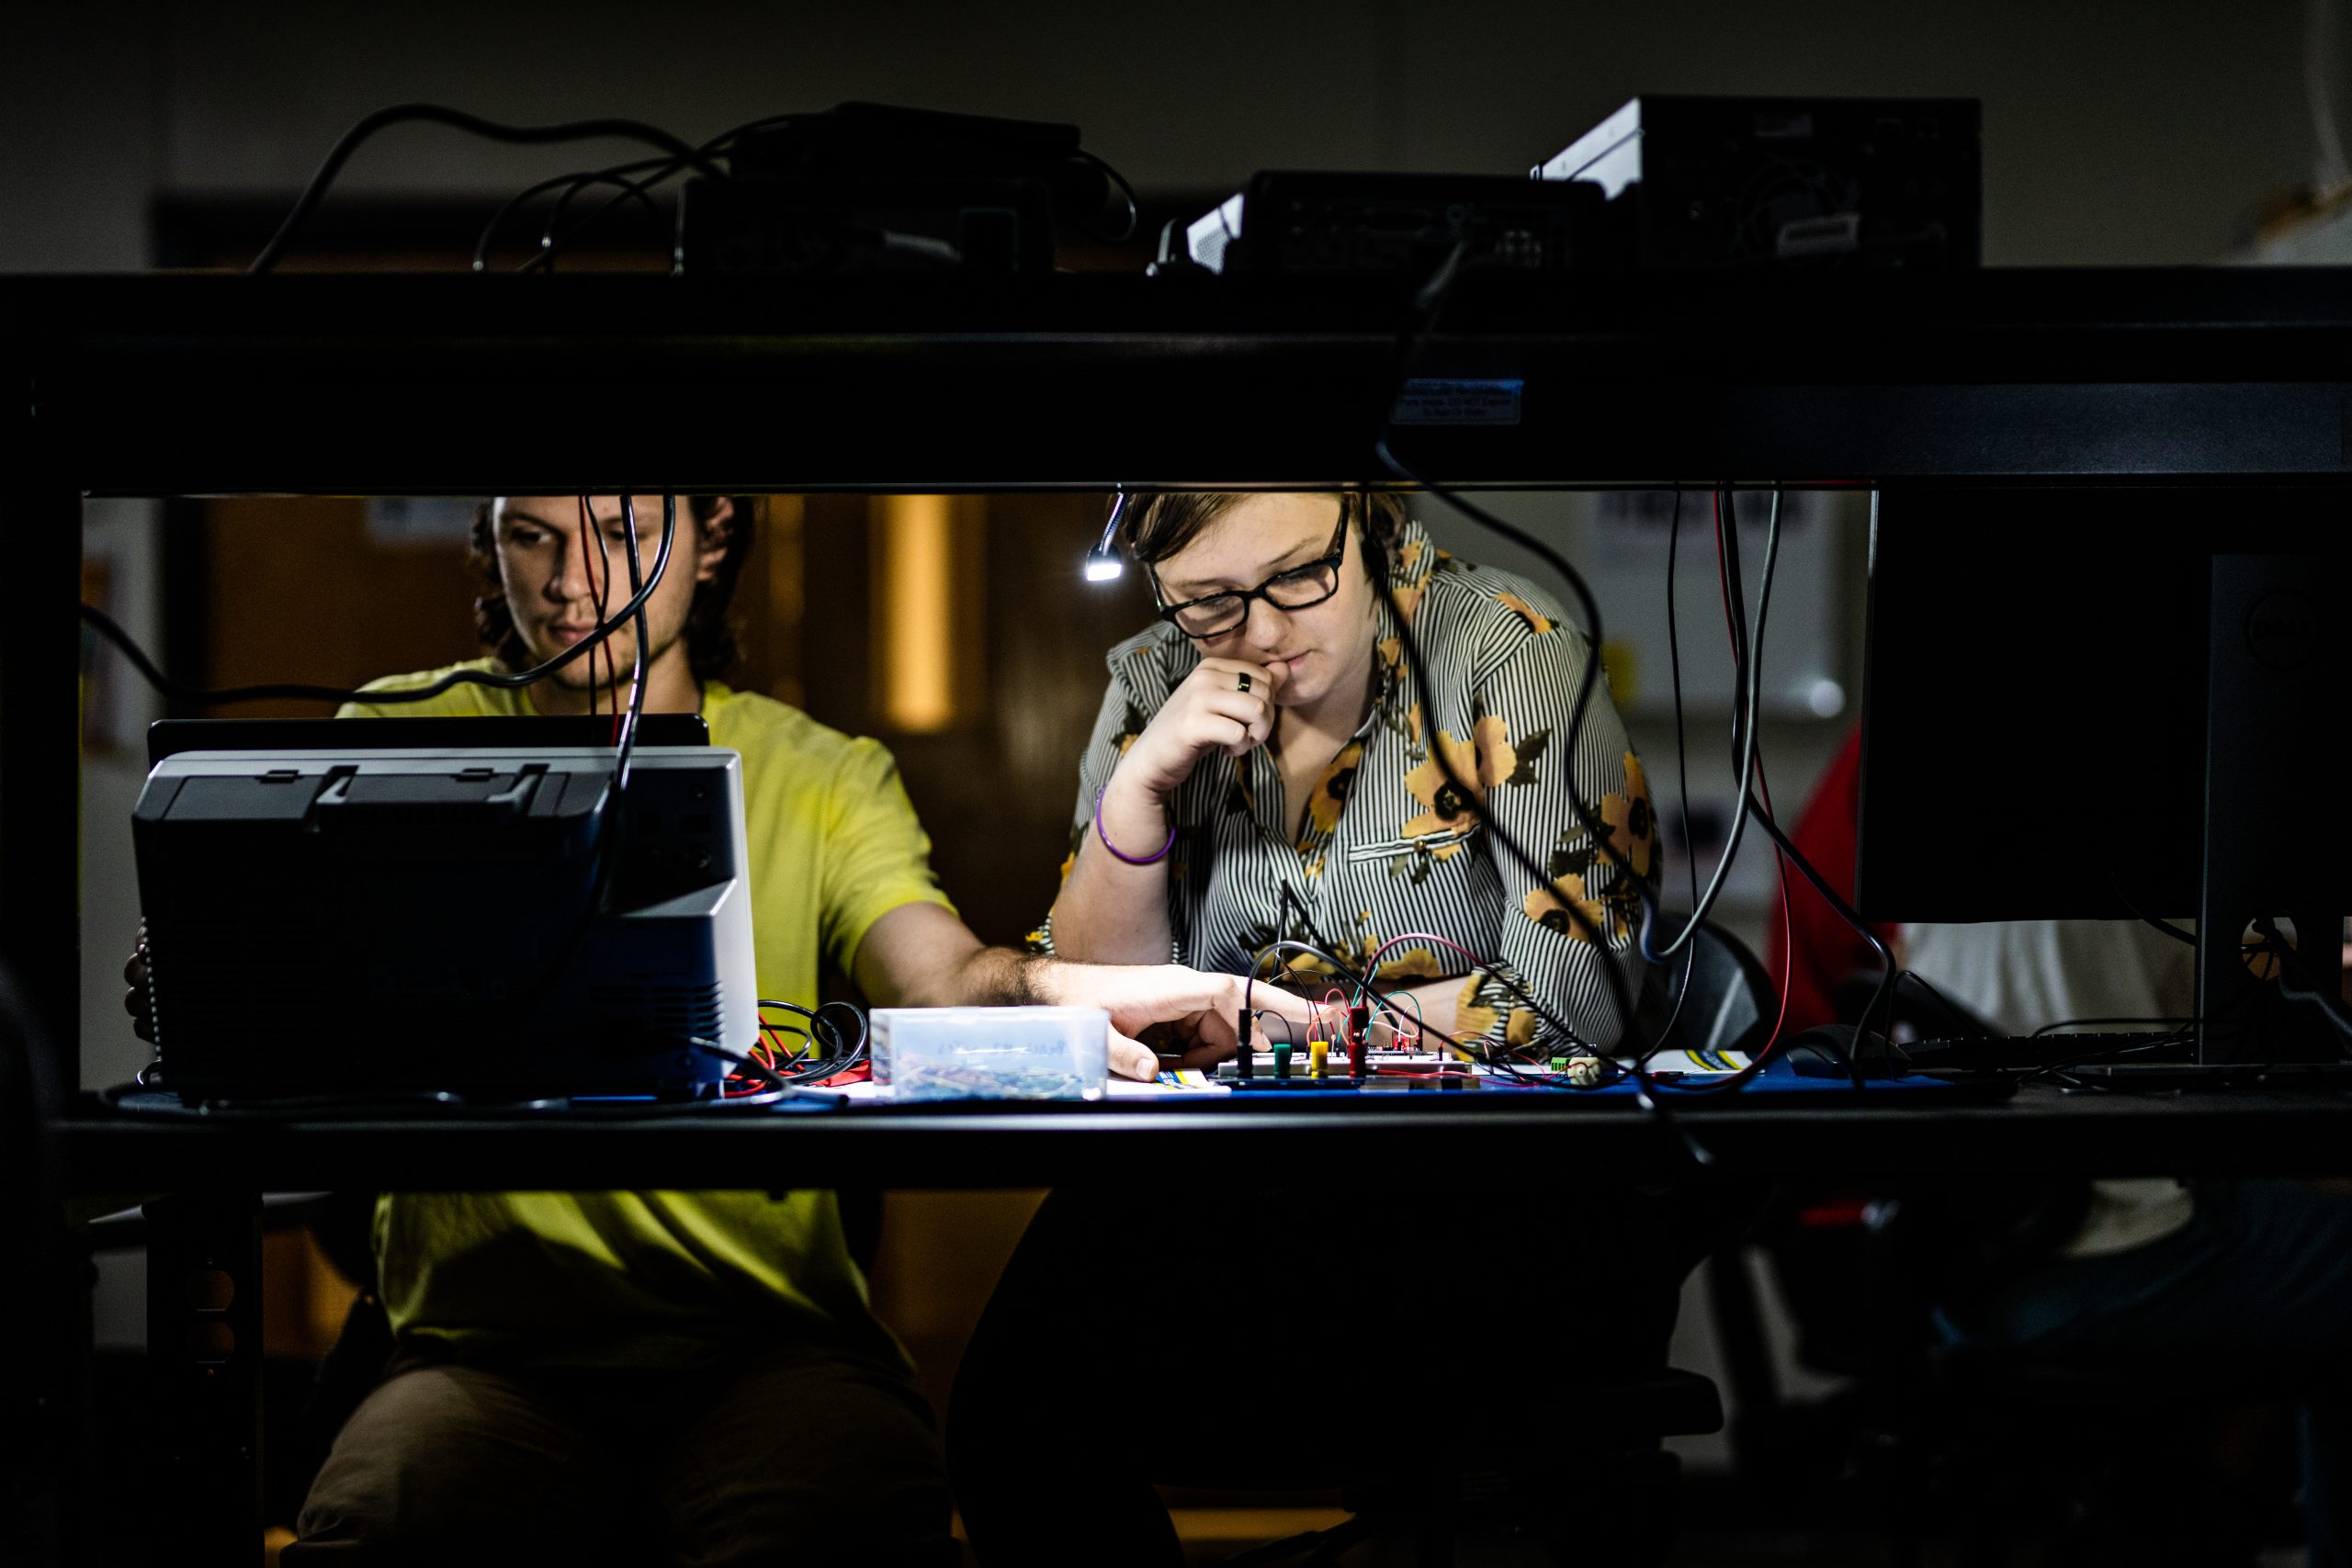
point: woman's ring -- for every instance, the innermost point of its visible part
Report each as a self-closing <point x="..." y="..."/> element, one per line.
<point x="1243" y="680"/>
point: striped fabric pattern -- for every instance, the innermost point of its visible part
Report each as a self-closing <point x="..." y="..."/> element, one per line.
<point x="1388" y="846"/>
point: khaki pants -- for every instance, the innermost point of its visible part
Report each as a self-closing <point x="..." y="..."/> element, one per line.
<point x="798" y="1454"/>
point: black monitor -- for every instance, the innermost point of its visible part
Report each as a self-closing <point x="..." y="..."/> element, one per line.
<point x="430" y="906"/>
<point x="2111" y="704"/>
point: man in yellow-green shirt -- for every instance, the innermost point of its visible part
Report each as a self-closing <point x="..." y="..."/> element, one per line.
<point x="688" y="1376"/>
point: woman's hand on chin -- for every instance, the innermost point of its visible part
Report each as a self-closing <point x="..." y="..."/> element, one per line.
<point x="1227" y="705"/>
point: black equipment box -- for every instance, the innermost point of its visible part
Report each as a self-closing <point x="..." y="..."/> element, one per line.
<point x="868" y="186"/>
<point x="1708" y="182"/>
<point x="403" y="907"/>
<point x="1296" y="221"/>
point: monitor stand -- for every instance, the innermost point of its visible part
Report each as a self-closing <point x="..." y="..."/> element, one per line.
<point x="2278" y="811"/>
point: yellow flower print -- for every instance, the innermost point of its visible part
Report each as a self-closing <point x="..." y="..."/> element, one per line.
<point x="1330" y="792"/>
<point x="1413" y="963"/>
<point x="1126" y="744"/>
<point x="1472" y="1021"/>
<point x="1305" y="969"/>
<point x="1632" y="824"/>
<point x="1497" y="760"/>
<point x="1520" y="1031"/>
<point x="1482" y="761"/>
<point x="1548" y="908"/>
<point x="1539" y="622"/>
<point x="1449" y="810"/>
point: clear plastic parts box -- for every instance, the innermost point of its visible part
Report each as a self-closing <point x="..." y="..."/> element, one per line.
<point x="1029" y="1053"/>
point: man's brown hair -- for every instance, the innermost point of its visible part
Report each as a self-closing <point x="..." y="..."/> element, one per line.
<point x="711" y="649"/>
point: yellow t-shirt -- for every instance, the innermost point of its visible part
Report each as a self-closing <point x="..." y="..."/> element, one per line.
<point x="668" y="1279"/>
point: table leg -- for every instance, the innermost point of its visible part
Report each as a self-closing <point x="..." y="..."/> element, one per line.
<point x="205" y="1364"/>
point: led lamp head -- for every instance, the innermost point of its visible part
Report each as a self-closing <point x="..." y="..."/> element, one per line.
<point x="1103" y="562"/>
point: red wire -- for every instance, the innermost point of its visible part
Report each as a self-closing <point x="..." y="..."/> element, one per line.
<point x="1421" y="1026"/>
<point x="1372" y="963"/>
<point x="1338" y="1029"/>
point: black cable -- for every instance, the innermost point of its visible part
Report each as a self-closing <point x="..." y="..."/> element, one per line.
<point x="1683" y="780"/>
<point x="642" y="192"/>
<point x="1290" y="1031"/>
<point x="2290" y="963"/>
<point x="2078" y="1022"/>
<point x="1882" y="998"/>
<point x="840" y="1059"/>
<point x="2332" y="1011"/>
<point x="106" y="627"/>
<point x="2166" y="927"/>
<point x="749" y="1065"/>
<point x="1921" y="981"/>
<point x="1682" y="752"/>
<point x="607" y="847"/>
<point x="658" y="171"/>
<point x="550" y="247"/>
<point x="616" y="175"/>
<point x="1747" y="672"/>
<point x="1746" y="682"/>
<point x="636" y="675"/>
<point x="1430" y="301"/>
<point x="1621" y="995"/>
<point x="1135" y="209"/>
<point x="439" y="114"/>
<point x="2116" y="886"/>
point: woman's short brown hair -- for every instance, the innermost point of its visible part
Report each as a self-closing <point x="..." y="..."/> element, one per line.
<point x="711" y="649"/>
<point x="1160" y="523"/>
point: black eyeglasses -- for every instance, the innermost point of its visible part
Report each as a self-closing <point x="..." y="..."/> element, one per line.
<point x="1295" y="589"/>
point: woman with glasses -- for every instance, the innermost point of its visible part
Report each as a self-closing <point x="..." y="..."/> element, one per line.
<point x="1266" y="768"/>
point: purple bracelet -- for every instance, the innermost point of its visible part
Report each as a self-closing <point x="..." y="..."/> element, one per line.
<point x="1152" y="859"/>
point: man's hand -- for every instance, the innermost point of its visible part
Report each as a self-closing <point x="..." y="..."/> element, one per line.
<point x="1195" y="1012"/>
<point x="135" y="1000"/>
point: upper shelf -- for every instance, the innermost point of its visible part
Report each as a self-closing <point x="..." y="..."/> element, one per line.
<point x="458" y="384"/>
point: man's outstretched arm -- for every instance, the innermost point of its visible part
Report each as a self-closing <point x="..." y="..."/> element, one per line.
<point x="920" y="955"/>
